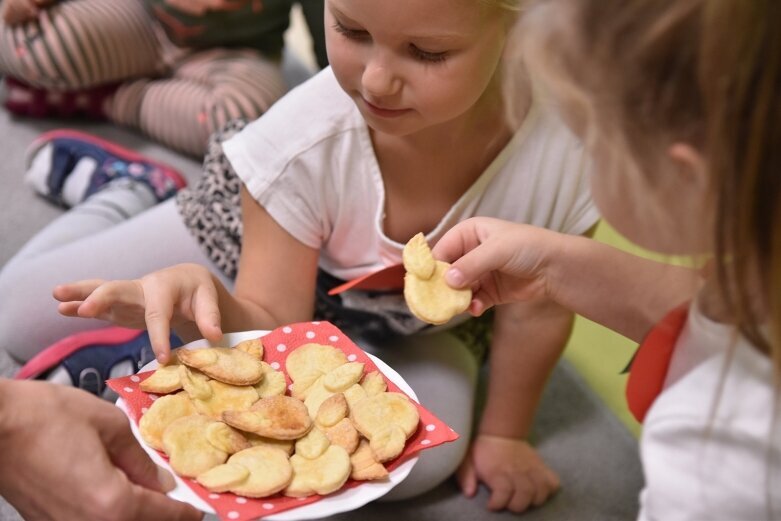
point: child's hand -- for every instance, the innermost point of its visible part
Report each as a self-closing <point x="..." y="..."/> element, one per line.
<point x="501" y="261"/>
<point x="513" y="471"/>
<point x="176" y="296"/>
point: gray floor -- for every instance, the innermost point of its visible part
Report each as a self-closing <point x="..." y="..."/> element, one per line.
<point x="594" y="454"/>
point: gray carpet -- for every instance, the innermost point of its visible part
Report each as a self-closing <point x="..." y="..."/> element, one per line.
<point x="593" y="452"/>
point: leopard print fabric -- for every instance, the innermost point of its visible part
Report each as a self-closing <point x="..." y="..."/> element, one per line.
<point x="211" y="209"/>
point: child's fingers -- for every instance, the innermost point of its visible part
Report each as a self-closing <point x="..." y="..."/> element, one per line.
<point x="158" y="310"/>
<point x="467" y="478"/>
<point x="99" y="302"/>
<point x="79" y="290"/>
<point x="69" y="309"/>
<point x="207" y="313"/>
<point x="521" y="499"/>
<point x="501" y="492"/>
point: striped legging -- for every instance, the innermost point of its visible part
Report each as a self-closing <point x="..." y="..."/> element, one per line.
<point x="176" y="96"/>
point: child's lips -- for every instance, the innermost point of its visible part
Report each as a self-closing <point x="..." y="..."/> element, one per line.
<point x="383" y="111"/>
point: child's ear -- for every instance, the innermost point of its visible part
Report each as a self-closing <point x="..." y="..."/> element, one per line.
<point x="691" y="166"/>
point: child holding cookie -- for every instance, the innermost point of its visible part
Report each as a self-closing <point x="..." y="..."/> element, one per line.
<point x="686" y="142"/>
<point x="404" y="133"/>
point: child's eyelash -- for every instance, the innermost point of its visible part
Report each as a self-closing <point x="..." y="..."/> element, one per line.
<point x="350" y="33"/>
<point x="419" y="54"/>
<point x="433" y="57"/>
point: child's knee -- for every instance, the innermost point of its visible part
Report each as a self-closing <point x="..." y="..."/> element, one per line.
<point x="20" y="321"/>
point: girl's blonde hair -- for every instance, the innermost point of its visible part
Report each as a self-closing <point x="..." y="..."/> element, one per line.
<point x="641" y="75"/>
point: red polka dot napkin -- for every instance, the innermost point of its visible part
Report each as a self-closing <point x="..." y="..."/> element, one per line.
<point x="277" y="345"/>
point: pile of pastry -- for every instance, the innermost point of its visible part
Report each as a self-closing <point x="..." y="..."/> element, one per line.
<point x="227" y="421"/>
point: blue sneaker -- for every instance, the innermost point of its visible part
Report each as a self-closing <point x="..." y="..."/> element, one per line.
<point x="86" y="360"/>
<point x="67" y="166"/>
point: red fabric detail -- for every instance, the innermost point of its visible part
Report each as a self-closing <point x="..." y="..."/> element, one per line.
<point x="57" y="352"/>
<point x="28" y="101"/>
<point x="389" y="278"/>
<point x="652" y="361"/>
<point x="277" y="345"/>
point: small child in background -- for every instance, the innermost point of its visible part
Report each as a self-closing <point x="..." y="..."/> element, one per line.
<point x="685" y="127"/>
<point x="176" y="70"/>
<point x="404" y="133"/>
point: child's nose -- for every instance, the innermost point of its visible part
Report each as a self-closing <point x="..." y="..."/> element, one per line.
<point x="379" y="79"/>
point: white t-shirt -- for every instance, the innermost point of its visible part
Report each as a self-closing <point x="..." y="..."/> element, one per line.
<point x="702" y="463"/>
<point x="310" y="163"/>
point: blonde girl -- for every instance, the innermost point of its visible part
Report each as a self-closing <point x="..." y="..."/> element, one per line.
<point x="404" y="133"/>
<point x="685" y="125"/>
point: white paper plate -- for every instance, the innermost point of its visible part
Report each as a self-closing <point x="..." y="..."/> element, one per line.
<point x="344" y="501"/>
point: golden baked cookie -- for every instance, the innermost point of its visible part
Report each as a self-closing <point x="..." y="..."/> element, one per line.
<point x="313" y="358"/>
<point x="428" y="296"/>
<point x="277" y="417"/>
<point x="225" y="364"/>
<point x="255" y="472"/>
<point x="322" y="475"/>
<point x="161" y="414"/>
<point x="373" y="383"/>
<point x="225" y="397"/>
<point x="344" y="434"/>
<point x="189" y="451"/>
<point x="342" y="377"/>
<point x="387" y="420"/>
<point x="253" y="347"/>
<point x="272" y="384"/>
<point x="313" y="445"/>
<point x="164" y="380"/>
<point x="364" y="466"/>
<point x="332" y="411"/>
<point x="225" y="438"/>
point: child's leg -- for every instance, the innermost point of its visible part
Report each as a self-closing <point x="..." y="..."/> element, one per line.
<point x="443" y="373"/>
<point x="207" y="90"/>
<point x="81" y="43"/>
<point x="153" y="239"/>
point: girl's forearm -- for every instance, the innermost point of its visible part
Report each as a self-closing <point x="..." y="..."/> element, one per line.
<point x="621" y="291"/>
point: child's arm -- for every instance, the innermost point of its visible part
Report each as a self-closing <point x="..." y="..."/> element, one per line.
<point x="507" y="262"/>
<point x="275" y="285"/>
<point x="528" y="339"/>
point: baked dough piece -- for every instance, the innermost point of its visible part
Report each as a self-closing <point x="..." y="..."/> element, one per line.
<point x="255" y="472"/>
<point x="225" y="364"/>
<point x="164" y="411"/>
<point x="277" y="417"/>
<point x="428" y="296"/>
